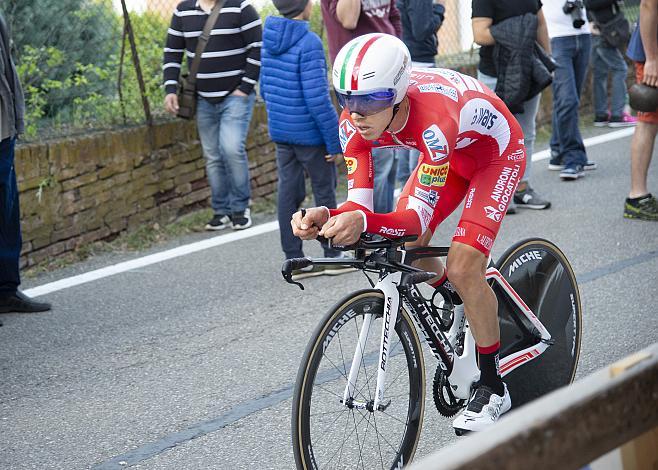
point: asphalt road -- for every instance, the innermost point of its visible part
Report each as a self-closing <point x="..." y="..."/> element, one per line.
<point x="189" y="363"/>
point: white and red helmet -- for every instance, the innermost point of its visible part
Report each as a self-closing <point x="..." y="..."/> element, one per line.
<point x="372" y="72"/>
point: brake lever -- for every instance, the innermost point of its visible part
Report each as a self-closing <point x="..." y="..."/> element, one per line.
<point x="286" y="272"/>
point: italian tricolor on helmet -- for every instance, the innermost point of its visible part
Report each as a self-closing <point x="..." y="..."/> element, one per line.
<point x="371" y="73"/>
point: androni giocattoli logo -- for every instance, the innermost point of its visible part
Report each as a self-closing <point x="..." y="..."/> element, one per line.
<point x="433" y="175"/>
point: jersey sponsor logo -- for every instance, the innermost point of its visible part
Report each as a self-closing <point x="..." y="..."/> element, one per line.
<point x="505" y="185"/>
<point x="524" y="258"/>
<point x="485" y="241"/>
<point x="350" y="184"/>
<point x="454" y="78"/>
<point x="516" y="156"/>
<point x="345" y="133"/>
<point x="431" y="197"/>
<point x="448" y="91"/>
<point x="433" y="175"/>
<point x="477" y="115"/>
<point x="460" y="232"/>
<point x="436" y="143"/>
<point x="392" y="232"/>
<point x="469" y="199"/>
<point x="484" y="117"/>
<point x="424" y="211"/>
<point x="493" y="213"/>
<point x="464" y="142"/>
<point x="351" y="164"/>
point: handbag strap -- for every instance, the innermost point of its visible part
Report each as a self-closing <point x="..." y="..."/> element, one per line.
<point x="203" y="42"/>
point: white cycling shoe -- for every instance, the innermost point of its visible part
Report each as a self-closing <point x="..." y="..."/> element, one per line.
<point x="483" y="410"/>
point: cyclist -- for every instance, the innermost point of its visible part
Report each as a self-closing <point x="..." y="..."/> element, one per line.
<point x="471" y="147"/>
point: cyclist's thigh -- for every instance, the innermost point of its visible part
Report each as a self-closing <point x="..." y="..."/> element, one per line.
<point x="489" y="194"/>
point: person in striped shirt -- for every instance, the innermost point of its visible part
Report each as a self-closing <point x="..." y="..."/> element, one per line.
<point x="228" y="71"/>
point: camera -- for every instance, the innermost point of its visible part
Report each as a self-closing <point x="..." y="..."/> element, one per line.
<point x="574" y="8"/>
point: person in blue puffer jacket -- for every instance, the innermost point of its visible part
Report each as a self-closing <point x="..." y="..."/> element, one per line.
<point x="302" y="119"/>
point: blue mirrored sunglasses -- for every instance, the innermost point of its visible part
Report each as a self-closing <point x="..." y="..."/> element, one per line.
<point x="367" y="104"/>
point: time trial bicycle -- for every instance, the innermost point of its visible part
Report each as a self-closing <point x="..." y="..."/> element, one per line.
<point x="359" y="397"/>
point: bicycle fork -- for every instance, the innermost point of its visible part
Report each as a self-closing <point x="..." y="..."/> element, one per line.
<point x="389" y="286"/>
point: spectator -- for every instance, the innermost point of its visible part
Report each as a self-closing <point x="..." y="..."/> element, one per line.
<point x="421" y="21"/>
<point x="345" y="20"/>
<point x="608" y="60"/>
<point x="571" y="44"/>
<point x="487" y="14"/>
<point x="228" y="71"/>
<point x="643" y="50"/>
<point x="302" y="120"/>
<point x="12" y="108"/>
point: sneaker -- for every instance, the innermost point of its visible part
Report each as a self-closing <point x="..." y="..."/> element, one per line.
<point x="625" y="120"/>
<point x="336" y="270"/>
<point x="572" y="173"/>
<point x="242" y="220"/>
<point x="601" y="120"/>
<point x="558" y="166"/>
<point x="483" y="410"/>
<point x="219" y="222"/>
<point x="644" y="209"/>
<point x="529" y="199"/>
<point x="308" y="271"/>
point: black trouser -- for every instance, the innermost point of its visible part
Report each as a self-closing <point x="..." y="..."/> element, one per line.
<point x="10" y="224"/>
<point x="292" y="161"/>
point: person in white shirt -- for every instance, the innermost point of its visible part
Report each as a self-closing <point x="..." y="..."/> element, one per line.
<point x="571" y="43"/>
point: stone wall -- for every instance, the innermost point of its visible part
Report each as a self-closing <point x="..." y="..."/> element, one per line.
<point x="82" y="189"/>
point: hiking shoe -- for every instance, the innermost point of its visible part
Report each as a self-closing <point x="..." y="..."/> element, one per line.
<point x="572" y="173"/>
<point x="219" y="222"/>
<point x="556" y="165"/>
<point x="308" y="271"/>
<point x="625" y="120"/>
<point x="529" y="199"/>
<point x="644" y="209"/>
<point x="601" y="120"/>
<point x="337" y="269"/>
<point x="483" y="410"/>
<point x="242" y="220"/>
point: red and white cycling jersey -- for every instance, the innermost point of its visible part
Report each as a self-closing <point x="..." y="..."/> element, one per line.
<point x="471" y="146"/>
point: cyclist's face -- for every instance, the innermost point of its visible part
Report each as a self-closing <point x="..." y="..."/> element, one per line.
<point x="371" y="127"/>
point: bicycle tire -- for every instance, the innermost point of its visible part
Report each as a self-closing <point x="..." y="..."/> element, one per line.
<point x="317" y="407"/>
<point x="541" y="274"/>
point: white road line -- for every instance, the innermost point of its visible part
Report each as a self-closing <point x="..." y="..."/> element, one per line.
<point x="151" y="259"/>
<point x="231" y="237"/>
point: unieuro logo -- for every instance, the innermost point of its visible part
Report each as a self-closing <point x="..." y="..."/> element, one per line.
<point x="351" y="164"/>
<point x="433" y="175"/>
<point x="436" y="143"/>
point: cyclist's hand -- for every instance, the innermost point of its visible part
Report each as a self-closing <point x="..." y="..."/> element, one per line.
<point x="171" y="103"/>
<point x="344" y="229"/>
<point x="307" y="228"/>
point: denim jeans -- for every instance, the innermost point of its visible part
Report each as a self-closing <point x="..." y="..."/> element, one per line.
<point x="572" y="56"/>
<point x="526" y="120"/>
<point x="407" y="163"/>
<point x="385" y="168"/>
<point x="606" y="60"/>
<point x="223" y="130"/>
<point x="291" y="162"/>
<point x="10" y="220"/>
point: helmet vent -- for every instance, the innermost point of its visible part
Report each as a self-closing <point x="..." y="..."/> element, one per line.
<point x="368" y="75"/>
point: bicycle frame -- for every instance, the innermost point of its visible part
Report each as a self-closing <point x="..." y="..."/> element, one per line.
<point x="462" y="369"/>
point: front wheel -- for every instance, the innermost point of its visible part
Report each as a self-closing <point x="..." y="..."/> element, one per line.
<point x="328" y="434"/>
<point x="541" y="274"/>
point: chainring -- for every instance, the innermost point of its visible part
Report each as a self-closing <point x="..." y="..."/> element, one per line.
<point x="446" y="403"/>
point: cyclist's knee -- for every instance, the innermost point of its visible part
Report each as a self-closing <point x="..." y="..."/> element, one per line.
<point x="466" y="266"/>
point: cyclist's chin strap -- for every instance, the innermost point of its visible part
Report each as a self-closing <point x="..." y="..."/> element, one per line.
<point x="396" y="108"/>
